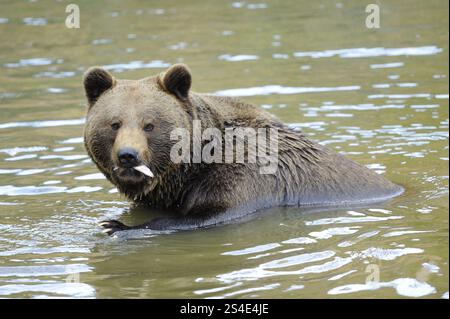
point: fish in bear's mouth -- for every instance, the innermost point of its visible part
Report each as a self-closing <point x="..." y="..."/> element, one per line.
<point x="137" y="173"/>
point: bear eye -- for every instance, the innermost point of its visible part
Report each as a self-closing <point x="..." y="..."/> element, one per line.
<point x="115" y="126"/>
<point x="148" y="127"/>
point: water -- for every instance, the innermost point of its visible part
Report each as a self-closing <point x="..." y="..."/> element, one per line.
<point x="378" y="96"/>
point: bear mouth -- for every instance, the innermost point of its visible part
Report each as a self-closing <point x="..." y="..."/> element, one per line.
<point x="128" y="175"/>
<point x="132" y="182"/>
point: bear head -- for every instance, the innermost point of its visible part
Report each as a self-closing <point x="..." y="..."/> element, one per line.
<point x="128" y="124"/>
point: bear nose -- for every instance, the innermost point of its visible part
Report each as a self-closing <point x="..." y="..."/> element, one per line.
<point x="128" y="157"/>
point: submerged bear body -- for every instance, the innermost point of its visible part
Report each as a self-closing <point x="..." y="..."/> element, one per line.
<point x="129" y="124"/>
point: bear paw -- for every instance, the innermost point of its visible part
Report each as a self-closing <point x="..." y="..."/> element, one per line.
<point x="111" y="226"/>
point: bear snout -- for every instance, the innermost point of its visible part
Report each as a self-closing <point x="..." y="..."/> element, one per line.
<point x="128" y="157"/>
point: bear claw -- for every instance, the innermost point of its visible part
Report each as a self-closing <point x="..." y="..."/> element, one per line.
<point x="112" y="226"/>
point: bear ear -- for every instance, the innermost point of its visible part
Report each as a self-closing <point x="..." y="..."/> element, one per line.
<point x="177" y="81"/>
<point x="96" y="81"/>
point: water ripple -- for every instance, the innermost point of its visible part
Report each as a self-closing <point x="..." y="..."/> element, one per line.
<point x="44" y="251"/>
<point x="47" y="270"/>
<point x="49" y="123"/>
<point x="388" y="254"/>
<point x="266" y="269"/>
<point x="136" y="65"/>
<point x="370" y="52"/>
<point x="237" y="58"/>
<point x="29" y="62"/>
<point x="278" y="89"/>
<point x="10" y="190"/>
<point x="74" y="290"/>
<point x="251" y="250"/>
<point x="349" y="220"/>
<point x="407" y="287"/>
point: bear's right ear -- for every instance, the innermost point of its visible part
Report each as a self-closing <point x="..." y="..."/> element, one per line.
<point x="96" y="81"/>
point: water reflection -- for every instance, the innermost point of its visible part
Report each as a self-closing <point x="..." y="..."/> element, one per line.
<point x="277" y="89"/>
<point x="371" y="52"/>
<point x="408" y="287"/>
<point x="136" y="65"/>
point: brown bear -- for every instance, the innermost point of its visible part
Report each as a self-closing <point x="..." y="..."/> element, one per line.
<point x="128" y="136"/>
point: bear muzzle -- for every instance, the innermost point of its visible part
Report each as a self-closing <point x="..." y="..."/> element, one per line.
<point x="130" y="165"/>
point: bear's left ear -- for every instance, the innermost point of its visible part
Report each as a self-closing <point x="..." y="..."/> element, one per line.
<point x="96" y="81"/>
<point x="177" y="81"/>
